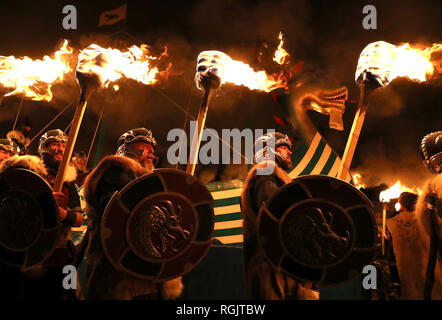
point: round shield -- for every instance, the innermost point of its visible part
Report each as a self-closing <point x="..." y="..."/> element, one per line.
<point x="159" y="226"/>
<point x="28" y="219"/>
<point x="318" y="229"/>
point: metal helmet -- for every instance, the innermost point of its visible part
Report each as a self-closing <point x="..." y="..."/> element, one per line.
<point x="431" y="151"/>
<point x="77" y="155"/>
<point x="9" y="146"/>
<point x="134" y="135"/>
<point x="265" y="146"/>
<point x="51" y="135"/>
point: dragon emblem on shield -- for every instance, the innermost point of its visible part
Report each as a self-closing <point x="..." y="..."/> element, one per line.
<point x="160" y="230"/>
<point x="310" y="236"/>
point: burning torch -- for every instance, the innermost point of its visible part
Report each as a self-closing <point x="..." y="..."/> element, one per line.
<point x="33" y="78"/>
<point x="206" y="79"/>
<point x="215" y="68"/>
<point x="379" y="63"/>
<point x="88" y="82"/>
<point x="97" y="67"/>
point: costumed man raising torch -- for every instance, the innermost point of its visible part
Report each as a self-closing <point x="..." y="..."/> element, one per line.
<point x="51" y="149"/>
<point x="38" y="223"/>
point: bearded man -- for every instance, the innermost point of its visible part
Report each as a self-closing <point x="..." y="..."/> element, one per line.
<point x="134" y="158"/>
<point x="273" y="158"/>
<point x="51" y="149"/>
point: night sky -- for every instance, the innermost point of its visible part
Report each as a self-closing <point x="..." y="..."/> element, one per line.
<point x="327" y="35"/>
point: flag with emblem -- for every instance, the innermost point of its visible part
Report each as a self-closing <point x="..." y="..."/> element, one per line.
<point x="111" y="17"/>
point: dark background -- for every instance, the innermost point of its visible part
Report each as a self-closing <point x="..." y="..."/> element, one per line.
<point x="326" y="35"/>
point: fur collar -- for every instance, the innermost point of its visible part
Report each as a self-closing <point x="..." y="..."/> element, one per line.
<point x="124" y="163"/>
<point x="33" y="163"/>
<point x="279" y="172"/>
<point x="249" y="215"/>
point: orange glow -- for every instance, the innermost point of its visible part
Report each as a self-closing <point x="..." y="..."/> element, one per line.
<point x="395" y="191"/>
<point x="357" y="180"/>
<point x="389" y="61"/>
<point x="415" y="63"/>
<point x="280" y="54"/>
<point x="112" y="64"/>
<point x="240" y="73"/>
<point x="34" y="78"/>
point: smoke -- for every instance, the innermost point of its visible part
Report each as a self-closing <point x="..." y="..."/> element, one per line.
<point x="381" y="164"/>
<point x="399" y="115"/>
<point x="234" y="172"/>
<point x="385" y="101"/>
<point x="327" y="37"/>
<point x="207" y="175"/>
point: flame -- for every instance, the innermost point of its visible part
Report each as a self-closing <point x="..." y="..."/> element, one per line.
<point x="280" y="54"/>
<point x="34" y="78"/>
<point x="357" y="180"/>
<point x="240" y="73"/>
<point x="395" y="191"/>
<point x="116" y="87"/>
<point x="237" y="72"/>
<point x="387" y="61"/>
<point x="397" y="206"/>
<point x="112" y="64"/>
<point x="415" y="63"/>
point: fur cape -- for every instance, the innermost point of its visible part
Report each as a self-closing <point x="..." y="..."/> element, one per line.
<point x="262" y="279"/>
<point x="33" y="163"/>
<point x="103" y="280"/>
<point x="36" y="165"/>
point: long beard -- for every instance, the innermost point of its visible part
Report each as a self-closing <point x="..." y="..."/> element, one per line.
<point x="143" y="162"/>
<point x="284" y="164"/>
<point x="147" y="165"/>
